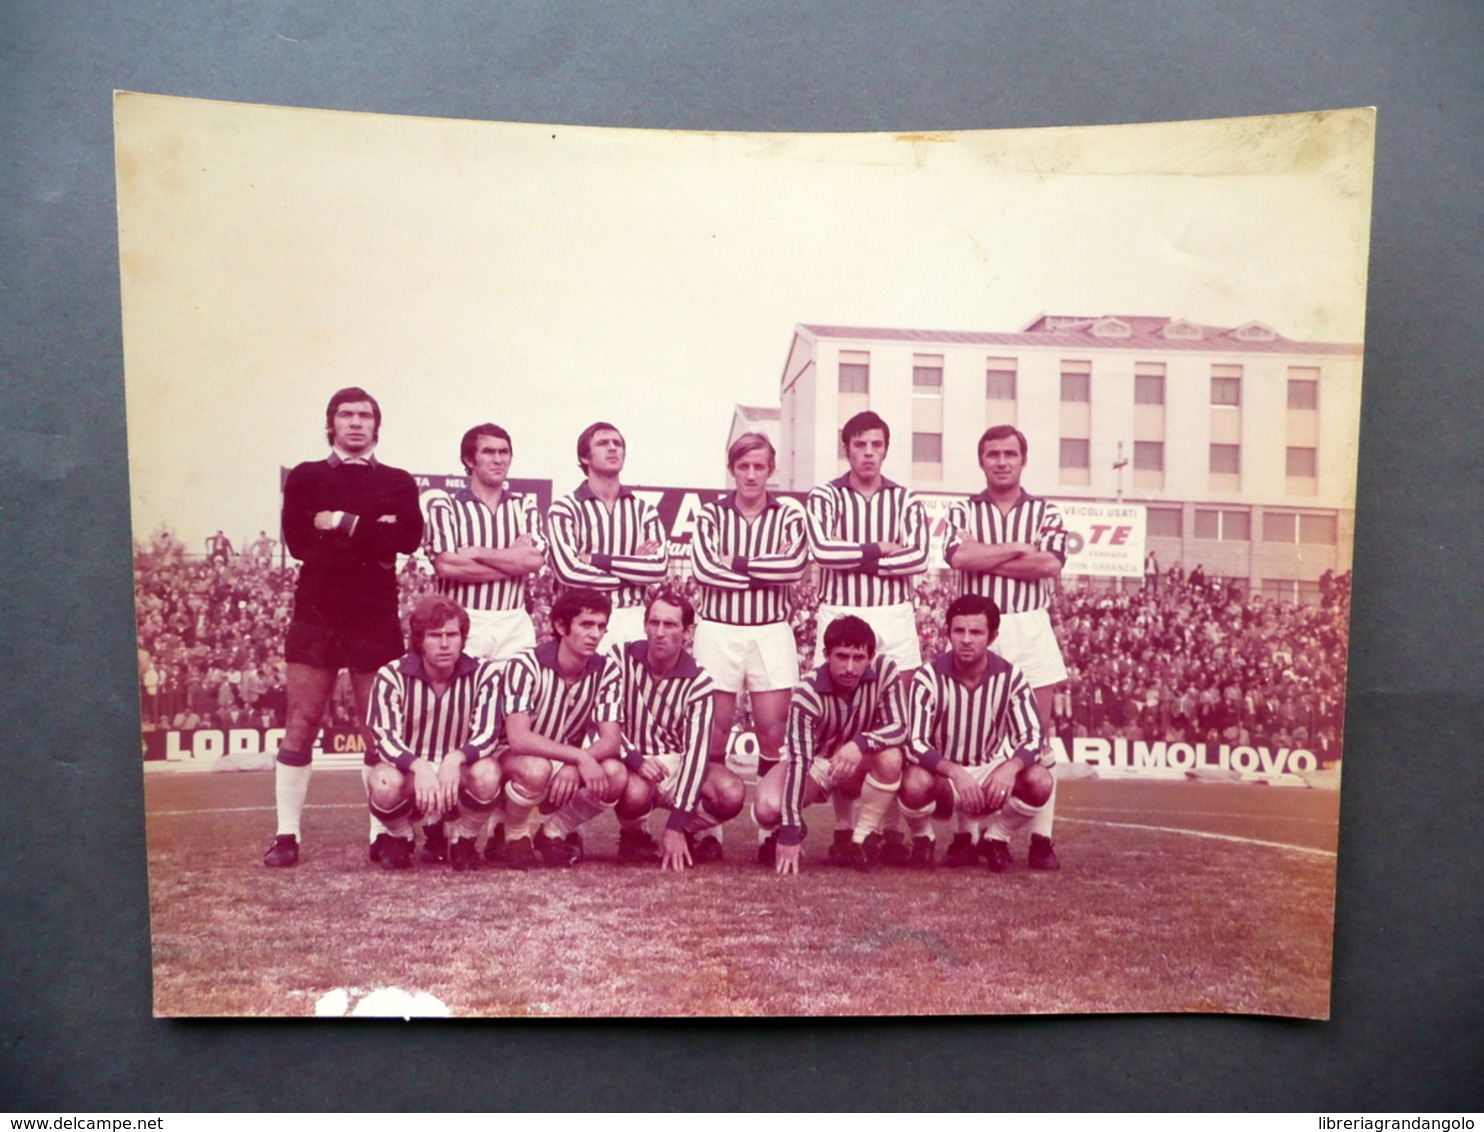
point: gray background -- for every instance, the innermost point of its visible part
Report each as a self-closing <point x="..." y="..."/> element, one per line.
<point x="75" y="1028"/>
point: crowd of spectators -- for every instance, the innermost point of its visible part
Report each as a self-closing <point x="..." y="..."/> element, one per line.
<point x="1179" y="658"/>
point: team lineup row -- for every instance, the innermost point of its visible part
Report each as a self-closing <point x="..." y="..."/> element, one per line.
<point x="558" y="733"/>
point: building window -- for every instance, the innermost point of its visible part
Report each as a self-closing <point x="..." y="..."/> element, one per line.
<point x="1226" y="459"/>
<point x="1149" y="456"/>
<point x="927" y="375"/>
<point x="1320" y="530"/>
<point x="1291" y="590"/>
<point x="1165" y="522"/>
<point x="1291" y="527"/>
<point x="999" y="379"/>
<point x="1074" y="454"/>
<point x="1149" y="386"/>
<point x="1076" y="382"/>
<point x="1303" y="392"/>
<point x="1226" y="391"/>
<point x="855" y="372"/>
<point x="927" y="447"/>
<point x="1279" y="526"/>
<point x="1224" y="526"/>
<point x="1303" y="463"/>
<point x="1226" y="385"/>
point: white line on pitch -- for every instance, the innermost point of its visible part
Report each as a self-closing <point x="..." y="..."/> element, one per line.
<point x="1245" y="815"/>
<point x="1200" y="833"/>
<point x="253" y="809"/>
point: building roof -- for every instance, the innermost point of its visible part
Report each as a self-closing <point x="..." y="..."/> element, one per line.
<point x="758" y="413"/>
<point x="1104" y="332"/>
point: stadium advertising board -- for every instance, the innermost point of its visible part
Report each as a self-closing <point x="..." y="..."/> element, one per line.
<point x="1104" y="539"/>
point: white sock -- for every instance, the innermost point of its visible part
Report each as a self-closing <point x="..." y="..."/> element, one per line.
<point x="1012" y="816"/>
<point x="919" y="822"/>
<point x="579" y="811"/>
<point x="290" y="787"/>
<point x="876" y="799"/>
<point x="1045" y="816"/>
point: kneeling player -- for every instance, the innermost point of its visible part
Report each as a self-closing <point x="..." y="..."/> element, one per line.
<point x="845" y="736"/>
<point x="432" y="719"/>
<point x="554" y="694"/>
<point x="668" y="708"/>
<point x="969" y="706"/>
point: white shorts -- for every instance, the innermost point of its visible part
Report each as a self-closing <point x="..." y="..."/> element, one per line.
<point x="624" y="625"/>
<point x="498" y="634"/>
<point x="895" y="627"/>
<point x="665" y="791"/>
<point x="760" y="658"/>
<point x="1027" y="641"/>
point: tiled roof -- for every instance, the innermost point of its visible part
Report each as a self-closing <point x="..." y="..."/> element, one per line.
<point x="1074" y="332"/>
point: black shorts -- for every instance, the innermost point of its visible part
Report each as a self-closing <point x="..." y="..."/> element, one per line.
<point x="361" y="642"/>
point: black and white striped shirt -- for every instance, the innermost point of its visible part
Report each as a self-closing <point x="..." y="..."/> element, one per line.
<point x="581" y="523"/>
<point x="1033" y="520"/>
<point x="533" y="685"/>
<point x="667" y="715"/>
<point x="409" y="720"/>
<point x="952" y="721"/>
<point x="463" y="519"/>
<point x="821" y="719"/>
<point x="844" y="527"/>
<point x="745" y="565"/>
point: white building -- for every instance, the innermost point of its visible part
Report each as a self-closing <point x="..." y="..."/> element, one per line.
<point x="1240" y="443"/>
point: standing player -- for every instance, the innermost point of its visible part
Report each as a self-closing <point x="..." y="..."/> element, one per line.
<point x="604" y="537"/>
<point x="484" y="541"/>
<point x="668" y="705"/>
<point x="434" y="717"/>
<point x="1009" y="546"/>
<point x="747" y="548"/>
<point x="553" y="696"/>
<point x="870" y="537"/>
<point x="846" y="734"/>
<point x="975" y="739"/>
<point x="346" y="519"/>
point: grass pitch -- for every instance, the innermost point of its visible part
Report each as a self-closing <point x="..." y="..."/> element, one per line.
<point x="1173" y="896"/>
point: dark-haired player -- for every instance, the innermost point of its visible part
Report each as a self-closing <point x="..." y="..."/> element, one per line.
<point x="870" y="537"/>
<point x="484" y="541"/>
<point x="604" y="537"/>
<point x="434" y="720"/>
<point x="552" y="697"/>
<point x="346" y="518"/>
<point x="1009" y="545"/>
<point x="975" y="739"/>
<point x="668" y="705"/>
<point x="846" y="734"/>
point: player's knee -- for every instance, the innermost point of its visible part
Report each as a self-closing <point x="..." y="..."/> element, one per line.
<point x="886" y="766"/>
<point x="767" y="810"/>
<point x="385" y="787"/>
<point x="917" y="788"/>
<point x="618" y="776"/>
<point x="1034" y="785"/>
<point x="531" y="773"/>
<point x="724" y="794"/>
<point x="482" y="779"/>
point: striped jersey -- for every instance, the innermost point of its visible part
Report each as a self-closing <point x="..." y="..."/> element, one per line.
<point x="533" y="685"/>
<point x="581" y="523"/>
<point x="745" y="565"/>
<point x="1033" y="520"/>
<point x="844" y="527"/>
<point x="463" y="519"/>
<point x="667" y="715"/>
<point x="821" y="719"/>
<point x="409" y="720"/>
<point x="949" y="720"/>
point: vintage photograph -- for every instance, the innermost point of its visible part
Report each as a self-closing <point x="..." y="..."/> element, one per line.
<point x="592" y="572"/>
